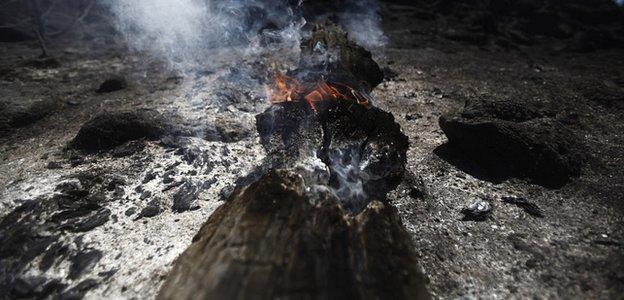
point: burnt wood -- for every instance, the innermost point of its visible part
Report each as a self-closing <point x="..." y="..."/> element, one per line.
<point x="271" y="241"/>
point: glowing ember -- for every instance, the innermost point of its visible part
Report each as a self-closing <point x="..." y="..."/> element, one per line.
<point x="288" y="89"/>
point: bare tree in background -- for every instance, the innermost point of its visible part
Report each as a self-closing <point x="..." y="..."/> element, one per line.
<point x="47" y="19"/>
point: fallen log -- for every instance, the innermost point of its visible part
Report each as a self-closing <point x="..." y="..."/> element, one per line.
<point x="271" y="241"/>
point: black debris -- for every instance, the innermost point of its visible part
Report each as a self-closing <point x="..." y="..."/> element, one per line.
<point x="54" y="165"/>
<point x="82" y="261"/>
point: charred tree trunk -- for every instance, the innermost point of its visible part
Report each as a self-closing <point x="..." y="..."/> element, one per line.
<point x="270" y="241"/>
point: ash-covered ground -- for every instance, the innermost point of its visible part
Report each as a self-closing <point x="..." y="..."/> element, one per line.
<point x="102" y="186"/>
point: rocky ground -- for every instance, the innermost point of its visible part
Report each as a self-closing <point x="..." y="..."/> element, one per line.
<point x="111" y="164"/>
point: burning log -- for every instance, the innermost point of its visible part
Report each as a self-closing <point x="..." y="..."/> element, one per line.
<point x="311" y="222"/>
<point x="272" y="241"/>
<point x="360" y="145"/>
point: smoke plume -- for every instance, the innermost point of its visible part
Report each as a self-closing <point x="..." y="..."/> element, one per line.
<point x="184" y="33"/>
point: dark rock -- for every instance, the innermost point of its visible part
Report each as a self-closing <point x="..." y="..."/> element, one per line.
<point x="512" y="139"/>
<point x="109" y="129"/>
<point x="530" y="208"/>
<point x="185" y="198"/>
<point x="82" y="261"/>
<point x="54" y="165"/>
<point x="477" y="211"/>
<point x="112" y="84"/>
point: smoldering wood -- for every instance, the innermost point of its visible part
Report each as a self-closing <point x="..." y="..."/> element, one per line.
<point x="271" y="241"/>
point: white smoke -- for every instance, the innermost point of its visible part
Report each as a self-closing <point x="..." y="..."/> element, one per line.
<point x="362" y="20"/>
<point x="184" y="33"/>
<point x="348" y="168"/>
<point x="174" y="30"/>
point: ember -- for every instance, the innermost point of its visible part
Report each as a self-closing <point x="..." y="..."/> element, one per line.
<point x="289" y="89"/>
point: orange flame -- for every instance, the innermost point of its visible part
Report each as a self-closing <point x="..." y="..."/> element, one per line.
<point x="288" y="89"/>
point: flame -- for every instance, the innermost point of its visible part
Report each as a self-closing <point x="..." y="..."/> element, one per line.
<point x="289" y="89"/>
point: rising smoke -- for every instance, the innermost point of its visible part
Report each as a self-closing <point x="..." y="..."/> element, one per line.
<point x="184" y="33"/>
<point x="190" y="33"/>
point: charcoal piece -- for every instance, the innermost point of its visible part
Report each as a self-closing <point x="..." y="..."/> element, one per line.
<point x="477" y="211"/>
<point x="185" y="198"/>
<point x="94" y="219"/>
<point x="115" y="183"/>
<point x="110" y="129"/>
<point x="355" y="65"/>
<point x="54" y="252"/>
<point x="168" y="176"/>
<point x="112" y="84"/>
<point x="271" y="242"/>
<point x="149" y="177"/>
<point x="78" y="291"/>
<point x="53" y="165"/>
<point x="152" y="209"/>
<point x="82" y="261"/>
<point x="130" y="211"/>
<point x="529" y="207"/>
<point x="107" y="274"/>
<point x="497" y="140"/>
<point x="36" y="287"/>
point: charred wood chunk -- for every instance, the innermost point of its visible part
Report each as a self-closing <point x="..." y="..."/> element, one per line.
<point x="363" y="148"/>
<point x="269" y="241"/>
<point x="352" y="60"/>
<point x="501" y="140"/>
<point x="110" y="129"/>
